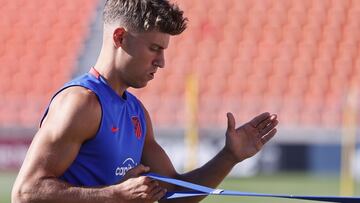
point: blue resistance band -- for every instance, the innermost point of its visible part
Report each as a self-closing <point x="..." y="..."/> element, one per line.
<point x="199" y="190"/>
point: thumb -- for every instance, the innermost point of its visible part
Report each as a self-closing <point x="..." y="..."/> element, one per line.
<point x="231" y="122"/>
<point x="138" y="170"/>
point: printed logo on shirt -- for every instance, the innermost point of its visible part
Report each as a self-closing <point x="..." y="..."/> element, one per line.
<point x="137" y="126"/>
<point x="127" y="165"/>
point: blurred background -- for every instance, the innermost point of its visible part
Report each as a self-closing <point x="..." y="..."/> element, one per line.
<point x="298" y="59"/>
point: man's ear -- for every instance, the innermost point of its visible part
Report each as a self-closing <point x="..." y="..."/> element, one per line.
<point x="118" y="36"/>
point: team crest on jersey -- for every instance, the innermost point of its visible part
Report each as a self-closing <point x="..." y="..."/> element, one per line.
<point x="137" y="126"/>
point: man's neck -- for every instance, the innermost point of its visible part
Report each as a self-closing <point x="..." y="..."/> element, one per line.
<point x="108" y="72"/>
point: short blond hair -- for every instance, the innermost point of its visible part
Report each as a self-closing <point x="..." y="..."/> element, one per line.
<point x="145" y="15"/>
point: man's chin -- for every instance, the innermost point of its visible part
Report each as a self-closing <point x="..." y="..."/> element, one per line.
<point x="139" y="86"/>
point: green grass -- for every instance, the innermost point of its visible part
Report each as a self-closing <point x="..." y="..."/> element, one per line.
<point x="6" y="181"/>
<point x="294" y="183"/>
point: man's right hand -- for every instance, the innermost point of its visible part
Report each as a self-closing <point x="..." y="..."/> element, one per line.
<point x="138" y="188"/>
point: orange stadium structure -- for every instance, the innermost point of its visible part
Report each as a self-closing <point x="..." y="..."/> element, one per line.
<point x="40" y="43"/>
<point x="296" y="58"/>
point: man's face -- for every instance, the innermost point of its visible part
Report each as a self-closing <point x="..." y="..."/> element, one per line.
<point x="142" y="54"/>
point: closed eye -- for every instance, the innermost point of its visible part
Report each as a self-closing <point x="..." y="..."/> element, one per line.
<point x="156" y="48"/>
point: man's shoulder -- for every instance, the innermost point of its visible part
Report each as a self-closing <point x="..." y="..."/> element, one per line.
<point x="82" y="80"/>
<point x="78" y="92"/>
<point x="74" y="111"/>
<point x="77" y="97"/>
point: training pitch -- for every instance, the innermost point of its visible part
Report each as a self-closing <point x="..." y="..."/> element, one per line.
<point x="284" y="183"/>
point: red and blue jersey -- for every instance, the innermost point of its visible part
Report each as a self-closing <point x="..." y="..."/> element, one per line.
<point x="118" y="144"/>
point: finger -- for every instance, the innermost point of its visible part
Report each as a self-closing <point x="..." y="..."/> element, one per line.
<point x="146" y="180"/>
<point x="158" y="194"/>
<point x="258" y="119"/>
<point x="267" y="122"/>
<point x="146" y="188"/>
<point x="154" y="192"/>
<point x="231" y="121"/>
<point x="263" y="124"/>
<point x="138" y="170"/>
<point x="152" y="184"/>
<point x="268" y="128"/>
<point x="268" y="136"/>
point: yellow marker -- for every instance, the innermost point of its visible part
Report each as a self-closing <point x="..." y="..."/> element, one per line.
<point x="348" y="143"/>
<point x="191" y="136"/>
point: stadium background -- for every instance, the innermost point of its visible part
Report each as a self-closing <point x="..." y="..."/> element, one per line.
<point x="299" y="59"/>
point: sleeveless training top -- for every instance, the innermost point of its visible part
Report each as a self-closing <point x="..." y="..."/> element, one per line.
<point x="117" y="147"/>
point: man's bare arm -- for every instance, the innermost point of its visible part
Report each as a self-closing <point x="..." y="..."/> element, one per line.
<point x="74" y="117"/>
<point x="241" y="143"/>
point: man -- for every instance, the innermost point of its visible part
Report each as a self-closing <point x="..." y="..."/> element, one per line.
<point x="96" y="139"/>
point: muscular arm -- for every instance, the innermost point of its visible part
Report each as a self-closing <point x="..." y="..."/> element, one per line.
<point x="73" y="117"/>
<point x="241" y="143"/>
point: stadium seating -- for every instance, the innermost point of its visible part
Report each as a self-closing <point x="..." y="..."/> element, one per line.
<point x="40" y="44"/>
<point x="294" y="58"/>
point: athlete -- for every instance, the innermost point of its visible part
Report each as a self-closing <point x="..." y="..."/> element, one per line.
<point x="96" y="140"/>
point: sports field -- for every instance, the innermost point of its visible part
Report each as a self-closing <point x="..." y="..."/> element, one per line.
<point x="289" y="183"/>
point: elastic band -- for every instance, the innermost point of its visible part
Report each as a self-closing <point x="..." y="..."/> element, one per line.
<point x="199" y="190"/>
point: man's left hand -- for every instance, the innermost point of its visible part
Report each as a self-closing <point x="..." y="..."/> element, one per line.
<point x="245" y="141"/>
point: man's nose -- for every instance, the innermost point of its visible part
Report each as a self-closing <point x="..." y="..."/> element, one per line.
<point x="159" y="61"/>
